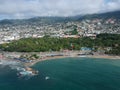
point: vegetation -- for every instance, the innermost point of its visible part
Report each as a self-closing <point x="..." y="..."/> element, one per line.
<point x="29" y="57"/>
<point x="110" y="43"/>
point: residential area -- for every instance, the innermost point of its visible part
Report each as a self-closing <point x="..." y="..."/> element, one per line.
<point x="75" y="29"/>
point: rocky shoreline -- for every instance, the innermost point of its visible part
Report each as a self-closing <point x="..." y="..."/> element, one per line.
<point x="15" y="56"/>
<point x="24" y="68"/>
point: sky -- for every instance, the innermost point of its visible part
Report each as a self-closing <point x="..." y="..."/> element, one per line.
<point x="19" y="9"/>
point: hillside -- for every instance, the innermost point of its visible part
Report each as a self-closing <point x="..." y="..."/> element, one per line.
<point x="52" y="20"/>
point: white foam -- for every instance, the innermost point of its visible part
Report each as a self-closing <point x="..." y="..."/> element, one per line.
<point x="46" y="78"/>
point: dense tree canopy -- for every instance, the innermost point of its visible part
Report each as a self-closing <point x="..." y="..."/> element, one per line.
<point x="57" y="44"/>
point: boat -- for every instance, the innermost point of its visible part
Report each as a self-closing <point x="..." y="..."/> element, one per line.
<point x="82" y="56"/>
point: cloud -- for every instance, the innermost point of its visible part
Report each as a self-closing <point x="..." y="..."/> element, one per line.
<point x="30" y="8"/>
<point x="113" y="5"/>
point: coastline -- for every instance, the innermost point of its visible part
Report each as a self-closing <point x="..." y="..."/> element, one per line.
<point x="44" y="59"/>
<point x="86" y="56"/>
<point x="54" y="55"/>
<point x="25" y="68"/>
<point x="105" y="57"/>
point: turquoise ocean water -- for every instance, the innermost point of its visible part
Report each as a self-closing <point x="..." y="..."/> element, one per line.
<point x="66" y="74"/>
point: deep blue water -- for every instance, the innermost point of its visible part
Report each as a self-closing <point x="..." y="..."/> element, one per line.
<point x="66" y="74"/>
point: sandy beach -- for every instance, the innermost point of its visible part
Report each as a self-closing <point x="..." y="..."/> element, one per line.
<point x="13" y="60"/>
<point x="86" y="56"/>
<point x="105" y="57"/>
<point x="55" y="55"/>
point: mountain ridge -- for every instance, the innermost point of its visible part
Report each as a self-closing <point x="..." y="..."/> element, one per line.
<point x="54" y="19"/>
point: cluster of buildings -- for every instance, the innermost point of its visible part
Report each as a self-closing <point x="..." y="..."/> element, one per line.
<point x="84" y="28"/>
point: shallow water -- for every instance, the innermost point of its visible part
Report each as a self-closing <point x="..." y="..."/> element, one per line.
<point x="66" y="74"/>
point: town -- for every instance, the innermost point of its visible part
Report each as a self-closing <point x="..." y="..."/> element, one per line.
<point x="75" y="29"/>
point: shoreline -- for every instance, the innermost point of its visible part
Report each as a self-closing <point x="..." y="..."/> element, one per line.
<point x="105" y="57"/>
<point x="44" y="59"/>
<point x="85" y="56"/>
<point x="26" y="69"/>
<point x="54" y="55"/>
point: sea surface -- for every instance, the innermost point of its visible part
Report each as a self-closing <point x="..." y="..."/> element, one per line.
<point x="66" y="74"/>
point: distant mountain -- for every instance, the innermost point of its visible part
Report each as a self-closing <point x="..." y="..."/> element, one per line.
<point x="6" y="21"/>
<point x="115" y="14"/>
<point x="52" y="20"/>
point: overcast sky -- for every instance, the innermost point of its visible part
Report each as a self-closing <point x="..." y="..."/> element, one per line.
<point x="18" y="9"/>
